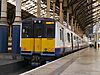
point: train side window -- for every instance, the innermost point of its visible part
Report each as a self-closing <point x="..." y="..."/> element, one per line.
<point x="68" y="36"/>
<point x="62" y="34"/>
<point x="49" y="30"/>
<point x="26" y="32"/>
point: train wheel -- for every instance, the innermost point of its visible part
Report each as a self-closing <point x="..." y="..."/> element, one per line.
<point x="35" y="61"/>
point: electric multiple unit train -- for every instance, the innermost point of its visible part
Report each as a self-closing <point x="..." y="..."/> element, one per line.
<point x="47" y="37"/>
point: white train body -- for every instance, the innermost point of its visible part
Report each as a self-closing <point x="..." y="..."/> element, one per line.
<point x="66" y="40"/>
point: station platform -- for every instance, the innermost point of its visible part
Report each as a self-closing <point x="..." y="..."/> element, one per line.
<point x="8" y="64"/>
<point x="7" y="58"/>
<point x="83" y="62"/>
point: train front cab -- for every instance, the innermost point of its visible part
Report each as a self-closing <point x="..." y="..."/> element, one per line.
<point x="38" y="37"/>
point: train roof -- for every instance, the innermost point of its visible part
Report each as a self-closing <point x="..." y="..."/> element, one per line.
<point x="32" y="18"/>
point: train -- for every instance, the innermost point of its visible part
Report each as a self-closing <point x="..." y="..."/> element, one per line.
<point x="45" y="37"/>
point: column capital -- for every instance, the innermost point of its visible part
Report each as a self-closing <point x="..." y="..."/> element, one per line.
<point x="76" y="21"/>
<point x="17" y="20"/>
<point x="77" y="24"/>
<point x="3" y="19"/>
<point x="72" y="17"/>
<point x="54" y="1"/>
<point x="60" y="1"/>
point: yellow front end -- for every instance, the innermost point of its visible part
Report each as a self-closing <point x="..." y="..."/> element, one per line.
<point x="27" y="44"/>
<point x="38" y="45"/>
<point x="44" y="45"/>
<point x="49" y="44"/>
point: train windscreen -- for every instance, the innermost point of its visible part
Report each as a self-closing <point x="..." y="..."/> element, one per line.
<point x="26" y="31"/>
<point x="38" y="31"/>
<point x="44" y="29"/>
<point x="50" y="30"/>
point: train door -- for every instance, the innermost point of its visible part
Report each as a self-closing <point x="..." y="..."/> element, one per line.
<point x="72" y="40"/>
<point x="63" y="40"/>
<point x="38" y="35"/>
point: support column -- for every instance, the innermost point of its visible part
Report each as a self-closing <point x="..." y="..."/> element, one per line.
<point x="38" y="8"/>
<point x="75" y="25"/>
<point x="54" y="6"/>
<point x="97" y="28"/>
<point x="61" y="12"/>
<point x="48" y="8"/>
<point x="16" y="29"/>
<point x="80" y="31"/>
<point x="72" y="20"/>
<point x="67" y="17"/>
<point x="3" y="27"/>
<point x="77" y="28"/>
<point x="95" y="40"/>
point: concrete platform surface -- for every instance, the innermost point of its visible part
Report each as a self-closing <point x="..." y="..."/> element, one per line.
<point x="83" y="62"/>
<point x="6" y="58"/>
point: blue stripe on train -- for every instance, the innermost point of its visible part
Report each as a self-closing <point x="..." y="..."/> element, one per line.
<point x="58" y="51"/>
<point x="26" y="53"/>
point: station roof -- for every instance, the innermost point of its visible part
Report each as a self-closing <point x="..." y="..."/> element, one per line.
<point x="86" y="12"/>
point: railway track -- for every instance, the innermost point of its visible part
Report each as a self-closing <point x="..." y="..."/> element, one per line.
<point x="15" y="68"/>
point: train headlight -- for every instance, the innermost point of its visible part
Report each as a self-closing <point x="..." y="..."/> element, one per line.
<point x="35" y="21"/>
<point x="23" y="49"/>
<point x="39" y="21"/>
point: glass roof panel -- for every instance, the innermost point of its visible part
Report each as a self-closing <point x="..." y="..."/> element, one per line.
<point x="96" y="10"/>
<point x="31" y="7"/>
